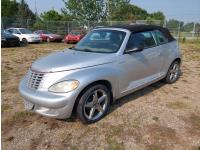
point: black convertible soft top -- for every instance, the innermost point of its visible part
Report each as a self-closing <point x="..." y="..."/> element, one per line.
<point x="143" y="27"/>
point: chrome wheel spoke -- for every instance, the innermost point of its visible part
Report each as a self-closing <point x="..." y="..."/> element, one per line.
<point x="91" y="112"/>
<point x="174" y="67"/>
<point x="95" y="97"/>
<point x="89" y="105"/>
<point x="101" y="99"/>
<point x="171" y="76"/>
<point x="99" y="108"/>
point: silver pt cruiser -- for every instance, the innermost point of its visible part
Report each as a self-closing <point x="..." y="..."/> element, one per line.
<point x="108" y="63"/>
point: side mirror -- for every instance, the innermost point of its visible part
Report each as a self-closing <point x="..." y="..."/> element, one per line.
<point x="18" y="33"/>
<point x="136" y="49"/>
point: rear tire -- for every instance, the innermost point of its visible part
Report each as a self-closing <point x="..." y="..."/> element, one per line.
<point x="173" y="73"/>
<point x="93" y="104"/>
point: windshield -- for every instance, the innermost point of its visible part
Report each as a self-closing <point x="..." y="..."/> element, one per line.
<point x="4" y="32"/>
<point x="101" y="41"/>
<point x="47" y="32"/>
<point x="25" y="31"/>
<point x="75" y="33"/>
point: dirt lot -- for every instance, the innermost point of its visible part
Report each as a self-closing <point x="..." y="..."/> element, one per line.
<point x="157" y="117"/>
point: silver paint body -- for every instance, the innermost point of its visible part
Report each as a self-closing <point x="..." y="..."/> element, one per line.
<point x="125" y="72"/>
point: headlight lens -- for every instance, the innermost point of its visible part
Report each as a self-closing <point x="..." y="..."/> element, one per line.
<point x="64" y="86"/>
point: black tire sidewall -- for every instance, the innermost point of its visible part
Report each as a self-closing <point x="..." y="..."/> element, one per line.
<point x="83" y="98"/>
<point x="24" y="41"/>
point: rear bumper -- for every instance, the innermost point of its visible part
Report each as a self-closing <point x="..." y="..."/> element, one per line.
<point x="47" y="103"/>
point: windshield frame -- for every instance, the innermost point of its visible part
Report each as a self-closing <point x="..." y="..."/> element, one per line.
<point x="123" y="33"/>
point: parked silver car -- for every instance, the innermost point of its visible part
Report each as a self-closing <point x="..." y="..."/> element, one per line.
<point x="108" y="63"/>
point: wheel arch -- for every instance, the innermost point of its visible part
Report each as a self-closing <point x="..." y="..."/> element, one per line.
<point x="102" y="82"/>
<point x="178" y="59"/>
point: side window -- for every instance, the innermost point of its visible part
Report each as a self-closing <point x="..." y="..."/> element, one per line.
<point x="160" y="37"/>
<point x="10" y="30"/>
<point x="142" y="39"/>
<point x="14" y="31"/>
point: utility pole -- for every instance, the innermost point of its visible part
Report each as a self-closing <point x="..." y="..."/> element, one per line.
<point x="108" y="9"/>
<point x="194" y="29"/>
<point x="35" y="9"/>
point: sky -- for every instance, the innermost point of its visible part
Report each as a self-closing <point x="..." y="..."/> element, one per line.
<point x="184" y="10"/>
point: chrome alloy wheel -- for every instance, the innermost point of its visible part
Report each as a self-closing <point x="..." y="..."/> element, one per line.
<point x="96" y="104"/>
<point x="174" y="72"/>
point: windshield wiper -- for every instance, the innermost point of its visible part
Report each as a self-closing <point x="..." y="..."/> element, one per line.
<point x="83" y="50"/>
<point x="87" y="50"/>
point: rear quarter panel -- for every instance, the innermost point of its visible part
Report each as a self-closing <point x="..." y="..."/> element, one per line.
<point x="170" y="52"/>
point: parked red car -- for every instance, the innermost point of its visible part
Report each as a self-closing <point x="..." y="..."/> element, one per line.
<point x="73" y="37"/>
<point x="48" y="36"/>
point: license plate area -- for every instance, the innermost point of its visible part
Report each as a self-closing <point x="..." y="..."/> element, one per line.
<point x="28" y="105"/>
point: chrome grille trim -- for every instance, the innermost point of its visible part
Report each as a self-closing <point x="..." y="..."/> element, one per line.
<point x="34" y="79"/>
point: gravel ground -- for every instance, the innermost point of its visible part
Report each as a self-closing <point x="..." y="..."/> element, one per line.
<point x="158" y="117"/>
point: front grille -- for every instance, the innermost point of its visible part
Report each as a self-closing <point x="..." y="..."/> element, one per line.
<point x="35" y="79"/>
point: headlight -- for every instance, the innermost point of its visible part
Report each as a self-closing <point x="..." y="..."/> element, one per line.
<point x="64" y="86"/>
<point x="51" y="37"/>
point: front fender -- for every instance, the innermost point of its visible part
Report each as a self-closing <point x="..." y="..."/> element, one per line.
<point x="89" y="75"/>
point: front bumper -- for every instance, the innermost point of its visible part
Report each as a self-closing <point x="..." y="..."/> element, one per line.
<point x="47" y="103"/>
<point x="56" y="39"/>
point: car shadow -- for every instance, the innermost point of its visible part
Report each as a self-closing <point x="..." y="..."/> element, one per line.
<point x="135" y="95"/>
<point x="131" y="97"/>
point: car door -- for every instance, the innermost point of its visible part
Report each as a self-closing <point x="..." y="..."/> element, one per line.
<point x="17" y="33"/>
<point x="166" y="49"/>
<point x="142" y="67"/>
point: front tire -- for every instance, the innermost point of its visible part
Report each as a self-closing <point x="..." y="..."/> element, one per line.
<point x="93" y="104"/>
<point x="24" y="42"/>
<point x="173" y="73"/>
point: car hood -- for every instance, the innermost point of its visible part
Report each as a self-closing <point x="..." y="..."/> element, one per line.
<point x="71" y="60"/>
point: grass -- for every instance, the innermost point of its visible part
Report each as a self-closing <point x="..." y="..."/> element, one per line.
<point x="177" y="105"/>
<point x="5" y="107"/>
<point x="17" y="118"/>
<point x="194" y="120"/>
<point x="121" y="127"/>
<point x="114" y="145"/>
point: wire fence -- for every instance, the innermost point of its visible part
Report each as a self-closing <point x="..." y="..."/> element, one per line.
<point x="64" y="27"/>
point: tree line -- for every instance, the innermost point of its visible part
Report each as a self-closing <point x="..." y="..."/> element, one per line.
<point x="86" y="10"/>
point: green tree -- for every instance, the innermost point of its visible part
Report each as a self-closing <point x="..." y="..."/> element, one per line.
<point x="174" y="24"/>
<point x="158" y="16"/>
<point x="118" y="10"/>
<point x="81" y="10"/>
<point x="8" y="8"/>
<point x="24" y="12"/>
<point x="51" y="15"/>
